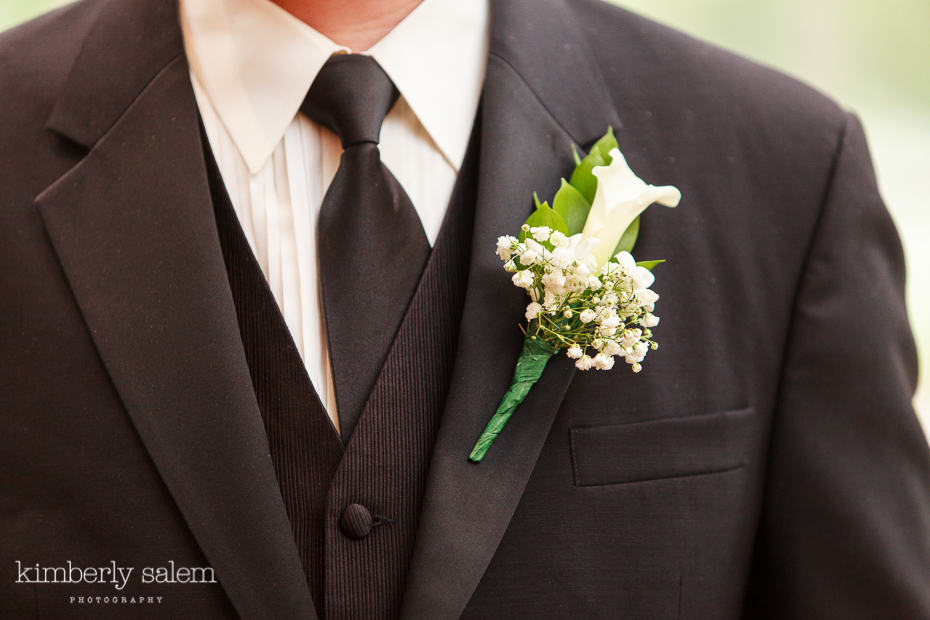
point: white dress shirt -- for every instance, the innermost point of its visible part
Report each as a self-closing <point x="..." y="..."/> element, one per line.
<point x="251" y="66"/>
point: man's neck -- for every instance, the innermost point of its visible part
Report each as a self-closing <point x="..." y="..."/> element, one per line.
<point x="356" y="24"/>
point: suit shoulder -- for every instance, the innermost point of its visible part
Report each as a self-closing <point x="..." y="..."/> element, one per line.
<point x="36" y="56"/>
<point x="53" y="30"/>
<point x="35" y="61"/>
<point x="646" y="61"/>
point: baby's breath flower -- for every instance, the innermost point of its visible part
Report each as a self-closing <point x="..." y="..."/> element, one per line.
<point x="610" y="320"/>
<point x="628" y="338"/>
<point x="554" y="281"/>
<point x="577" y="310"/>
<point x="505" y="247"/>
<point x="534" y="246"/>
<point x="562" y="258"/>
<point x="584" y="362"/>
<point x="572" y="283"/>
<point x="550" y="301"/>
<point x="636" y="353"/>
<point x="646" y="297"/>
<point x="582" y="271"/>
<point x="541" y="233"/>
<point x="523" y="279"/>
<point x="626" y="262"/>
<point x="642" y="278"/>
<point x="607" y="332"/>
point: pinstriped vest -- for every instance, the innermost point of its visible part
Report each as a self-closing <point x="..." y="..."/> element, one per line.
<point x="354" y="508"/>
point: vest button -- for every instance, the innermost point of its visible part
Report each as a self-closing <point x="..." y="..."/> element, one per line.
<point x="355" y="521"/>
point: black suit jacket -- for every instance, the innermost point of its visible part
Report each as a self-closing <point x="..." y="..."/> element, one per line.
<point x="766" y="463"/>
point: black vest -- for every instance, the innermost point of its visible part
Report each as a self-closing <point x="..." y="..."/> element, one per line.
<point x="354" y="508"/>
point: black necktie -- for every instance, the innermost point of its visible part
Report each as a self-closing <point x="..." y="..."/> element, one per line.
<point x="371" y="244"/>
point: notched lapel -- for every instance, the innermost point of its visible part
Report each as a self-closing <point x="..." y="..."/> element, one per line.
<point x="542" y="94"/>
<point x="133" y="227"/>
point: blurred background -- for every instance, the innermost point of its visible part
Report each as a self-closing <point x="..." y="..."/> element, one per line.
<point x="871" y="56"/>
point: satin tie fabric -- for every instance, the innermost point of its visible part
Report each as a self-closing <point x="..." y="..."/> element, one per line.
<point x="372" y="248"/>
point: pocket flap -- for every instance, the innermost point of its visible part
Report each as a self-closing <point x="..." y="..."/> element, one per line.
<point x="666" y="448"/>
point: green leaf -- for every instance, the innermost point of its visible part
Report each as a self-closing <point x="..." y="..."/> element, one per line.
<point x="571" y="205"/>
<point x="650" y="264"/>
<point x="628" y="239"/>
<point x="544" y="215"/>
<point x="536" y="202"/>
<point x="582" y="179"/>
<point x="606" y="143"/>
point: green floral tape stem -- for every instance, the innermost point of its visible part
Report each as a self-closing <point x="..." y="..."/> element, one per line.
<point x="533" y="358"/>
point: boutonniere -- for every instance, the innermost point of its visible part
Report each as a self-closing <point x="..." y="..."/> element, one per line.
<point x="588" y="295"/>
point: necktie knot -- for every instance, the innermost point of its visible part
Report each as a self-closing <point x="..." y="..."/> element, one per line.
<point x="351" y="95"/>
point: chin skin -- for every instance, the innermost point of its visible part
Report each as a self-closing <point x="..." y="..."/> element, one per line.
<point x="356" y="24"/>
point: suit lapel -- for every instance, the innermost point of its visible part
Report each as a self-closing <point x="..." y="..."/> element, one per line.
<point x="542" y="93"/>
<point x="133" y="227"/>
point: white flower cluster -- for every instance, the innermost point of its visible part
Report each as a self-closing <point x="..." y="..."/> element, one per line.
<point x="579" y="306"/>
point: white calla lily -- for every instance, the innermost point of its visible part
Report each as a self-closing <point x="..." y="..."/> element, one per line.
<point x="620" y="197"/>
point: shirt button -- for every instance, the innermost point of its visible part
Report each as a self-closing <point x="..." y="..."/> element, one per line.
<point x="355" y="521"/>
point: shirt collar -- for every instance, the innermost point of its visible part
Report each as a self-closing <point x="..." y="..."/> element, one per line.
<point x="244" y="54"/>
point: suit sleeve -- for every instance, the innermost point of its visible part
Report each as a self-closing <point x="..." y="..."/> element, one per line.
<point x="845" y="525"/>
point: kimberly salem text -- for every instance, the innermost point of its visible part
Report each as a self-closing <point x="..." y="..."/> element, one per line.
<point x="118" y="576"/>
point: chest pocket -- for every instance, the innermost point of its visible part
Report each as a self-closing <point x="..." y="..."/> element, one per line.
<point x="667" y="448"/>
